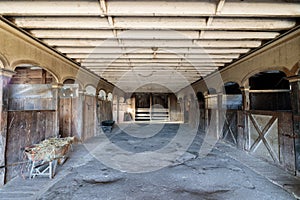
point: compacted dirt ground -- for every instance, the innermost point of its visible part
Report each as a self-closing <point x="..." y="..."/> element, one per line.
<point x="213" y="176"/>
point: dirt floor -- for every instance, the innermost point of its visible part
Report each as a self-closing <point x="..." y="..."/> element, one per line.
<point x="84" y="176"/>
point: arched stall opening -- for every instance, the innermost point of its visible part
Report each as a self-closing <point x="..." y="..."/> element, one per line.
<point x="231" y="104"/>
<point x="32" y="116"/>
<point x="70" y="116"/>
<point x="269" y="122"/>
<point x="269" y="90"/>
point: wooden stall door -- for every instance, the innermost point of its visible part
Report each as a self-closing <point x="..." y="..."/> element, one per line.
<point x="104" y="111"/>
<point x="229" y="133"/>
<point x="89" y="116"/>
<point x="270" y="137"/>
<point x="24" y="129"/>
<point x="65" y="120"/>
<point x="297" y="140"/>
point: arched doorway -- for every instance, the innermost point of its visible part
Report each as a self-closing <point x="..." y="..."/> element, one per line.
<point x="269" y="90"/>
<point x="269" y="120"/>
<point x="32" y="112"/>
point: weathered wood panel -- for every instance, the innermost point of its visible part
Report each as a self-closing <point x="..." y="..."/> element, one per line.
<point x="32" y="97"/>
<point x="89" y="124"/>
<point x="104" y="110"/>
<point x="287" y="141"/>
<point x="270" y="136"/>
<point x="65" y="117"/>
<point x="175" y="111"/>
<point x="212" y="120"/>
<point x="70" y="112"/>
<point x="24" y="129"/>
<point x="297" y="139"/>
<point x="295" y="96"/>
<point x="242" y="130"/>
<point x="77" y="116"/>
<point x="26" y="75"/>
<point x="3" y="124"/>
<point x="230" y="130"/>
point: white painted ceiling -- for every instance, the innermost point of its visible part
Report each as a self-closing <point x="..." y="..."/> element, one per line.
<point x="171" y="43"/>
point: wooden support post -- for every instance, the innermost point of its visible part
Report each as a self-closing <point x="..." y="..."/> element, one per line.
<point x="220" y="114"/>
<point x="243" y="136"/>
<point x="246" y="98"/>
<point x="56" y="92"/>
<point x="185" y="110"/>
<point x="295" y="101"/>
<point x="118" y="109"/>
<point x="206" y="115"/>
<point x="79" y="114"/>
<point x="151" y="101"/>
<point x="169" y="107"/>
<point x="4" y="80"/>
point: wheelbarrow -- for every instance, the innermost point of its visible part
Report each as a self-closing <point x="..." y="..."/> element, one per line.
<point x="107" y="125"/>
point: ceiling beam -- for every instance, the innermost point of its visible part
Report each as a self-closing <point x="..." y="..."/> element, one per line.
<point x="161" y="23"/>
<point x="150" y="34"/>
<point x="179" y="60"/>
<point x="158" y="65"/>
<point x="149" y="56"/>
<point x="220" y="5"/>
<point x="49" y="8"/>
<point x="120" y="51"/>
<point x="154" y="43"/>
<point x="154" y="69"/>
<point x="267" y="8"/>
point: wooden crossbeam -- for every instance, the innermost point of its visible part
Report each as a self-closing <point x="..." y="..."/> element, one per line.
<point x="262" y="138"/>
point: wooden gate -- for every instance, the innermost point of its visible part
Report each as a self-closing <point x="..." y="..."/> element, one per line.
<point x="89" y="116"/>
<point x="65" y="117"/>
<point x="297" y="140"/>
<point x="104" y="111"/>
<point x="229" y="133"/>
<point x="24" y="129"/>
<point x="70" y="112"/>
<point x="32" y="117"/>
<point x="270" y="136"/>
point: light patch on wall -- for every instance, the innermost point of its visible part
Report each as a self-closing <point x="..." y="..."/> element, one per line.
<point x="90" y="90"/>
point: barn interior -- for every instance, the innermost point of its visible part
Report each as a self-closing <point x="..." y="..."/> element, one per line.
<point x="229" y="69"/>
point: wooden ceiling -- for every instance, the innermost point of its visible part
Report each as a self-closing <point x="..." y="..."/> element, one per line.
<point x="172" y="43"/>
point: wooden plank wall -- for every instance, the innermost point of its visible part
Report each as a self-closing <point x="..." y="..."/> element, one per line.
<point x="24" y="129"/>
<point x="175" y="109"/>
<point x="104" y="111"/>
<point x="229" y="131"/>
<point x="284" y="130"/>
<point x="65" y="117"/>
<point x="297" y="140"/>
<point x="32" y="97"/>
<point x="70" y="111"/>
<point x="32" y="114"/>
<point x="89" y="117"/>
<point x="3" y="124"/>
<point x="26" y="75"/>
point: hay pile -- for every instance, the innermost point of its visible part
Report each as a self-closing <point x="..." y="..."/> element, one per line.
<point x="49" y="149"/>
